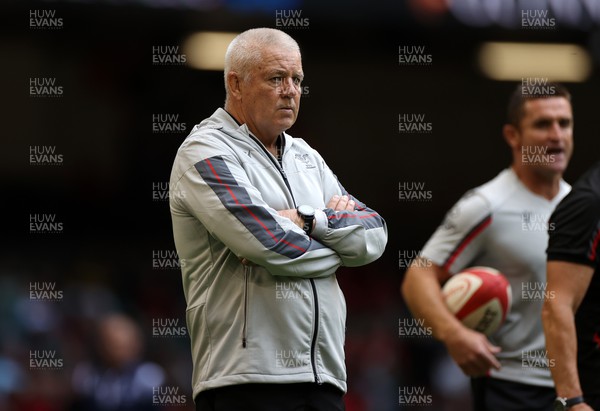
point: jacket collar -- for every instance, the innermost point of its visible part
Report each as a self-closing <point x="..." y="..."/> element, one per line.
<point x="224" y="121"/>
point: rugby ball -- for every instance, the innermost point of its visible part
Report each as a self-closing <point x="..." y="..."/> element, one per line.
<point x="480" y="297"/>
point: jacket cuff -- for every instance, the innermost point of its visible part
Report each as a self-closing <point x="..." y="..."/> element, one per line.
<point x="320" y="228"/>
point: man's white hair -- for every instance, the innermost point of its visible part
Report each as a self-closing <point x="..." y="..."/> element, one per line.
<point x="245" y="51"/>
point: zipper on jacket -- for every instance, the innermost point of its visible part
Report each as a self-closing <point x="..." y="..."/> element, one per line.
<point x="278" y="166"/>
<point x="313" y="344"/>
<point x="245" y="325"/>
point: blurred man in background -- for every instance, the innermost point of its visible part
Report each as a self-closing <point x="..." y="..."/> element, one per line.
<point x="502" y="224"/>
<point x="262" y="224"/>
<point x="119" y="379"/>
<point x="571" y="313"/>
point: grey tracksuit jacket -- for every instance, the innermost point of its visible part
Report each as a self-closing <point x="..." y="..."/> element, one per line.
<point x="282" y="319"/>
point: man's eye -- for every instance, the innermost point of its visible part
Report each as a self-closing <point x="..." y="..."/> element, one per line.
<point x="564" y="123"/>
<point x="542" y="124"/>
<point x="297" y="81"/>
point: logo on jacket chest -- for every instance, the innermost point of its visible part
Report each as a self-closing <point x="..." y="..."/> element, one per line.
<point x="303" y="158"/>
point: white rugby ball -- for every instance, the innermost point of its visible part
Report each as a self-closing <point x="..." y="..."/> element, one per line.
<point x="480" y="297"/>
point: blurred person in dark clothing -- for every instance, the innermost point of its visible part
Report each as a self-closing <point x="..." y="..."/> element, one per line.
<point x="119" y="379"/>
<point x="571" y="312"/>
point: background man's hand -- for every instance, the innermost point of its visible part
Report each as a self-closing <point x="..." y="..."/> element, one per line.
<point x="472" y="351"/>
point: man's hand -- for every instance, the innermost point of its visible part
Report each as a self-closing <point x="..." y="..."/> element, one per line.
<point x="337" y="203"/>
<point x="472" y="351"/>
<point x="422" y="292"/>
<point x="342" y="203"/>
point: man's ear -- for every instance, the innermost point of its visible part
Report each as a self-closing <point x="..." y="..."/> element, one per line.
<point x="512" y="136"/>
<point x="235" y="85"/>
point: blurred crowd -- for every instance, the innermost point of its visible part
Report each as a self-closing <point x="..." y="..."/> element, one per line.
<point x="96" y="344"/>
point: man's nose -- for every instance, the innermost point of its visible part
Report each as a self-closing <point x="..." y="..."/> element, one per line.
<point x="555" y="131"/>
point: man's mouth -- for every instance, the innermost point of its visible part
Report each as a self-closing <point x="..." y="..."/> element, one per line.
<point x="555" y="150"/>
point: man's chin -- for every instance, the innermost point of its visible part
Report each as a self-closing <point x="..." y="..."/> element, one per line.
<point x="553" y="169"/>
<point x="285" y="125"/>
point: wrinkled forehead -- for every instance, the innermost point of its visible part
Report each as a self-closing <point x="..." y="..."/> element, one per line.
<point x="280" y="58"/>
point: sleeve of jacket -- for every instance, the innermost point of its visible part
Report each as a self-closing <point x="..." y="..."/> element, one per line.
<point x="359" y="236"/>
<point x="218" y="192"/>
<point x="462" y="235"/>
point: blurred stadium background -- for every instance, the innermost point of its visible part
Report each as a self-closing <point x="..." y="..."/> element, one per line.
<point x="98" y="95"/>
